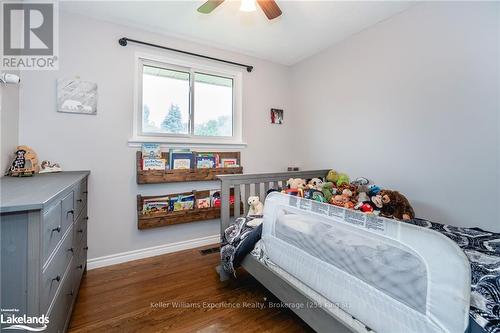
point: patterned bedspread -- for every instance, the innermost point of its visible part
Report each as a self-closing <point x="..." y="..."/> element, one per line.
<point x="483" y="250"/>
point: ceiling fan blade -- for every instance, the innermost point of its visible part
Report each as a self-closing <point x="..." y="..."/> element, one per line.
<point x="209" y="6"/>
<point x="270" y="8"/>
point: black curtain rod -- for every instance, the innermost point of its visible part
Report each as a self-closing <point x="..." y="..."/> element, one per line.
<point x="124" y="40"/>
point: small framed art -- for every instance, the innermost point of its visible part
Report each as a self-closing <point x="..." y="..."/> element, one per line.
<point x="276" y="116"/>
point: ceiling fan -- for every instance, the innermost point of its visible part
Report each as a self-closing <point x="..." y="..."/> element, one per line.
<point x="269" y="7"/>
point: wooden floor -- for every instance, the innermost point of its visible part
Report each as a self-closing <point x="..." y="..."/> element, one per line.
<point x="172" y="293"/>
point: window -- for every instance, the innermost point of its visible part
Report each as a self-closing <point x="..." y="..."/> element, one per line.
<point x="179" y="103"/>
<point x="165" y="101"/>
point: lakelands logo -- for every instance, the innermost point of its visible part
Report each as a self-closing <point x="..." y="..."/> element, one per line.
<point x="29" y="36"/>
<point x="32" y="324"/>
<point x="13" y="321"/>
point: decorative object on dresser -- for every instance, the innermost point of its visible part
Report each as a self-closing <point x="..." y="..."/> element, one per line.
<point x="48" y="167"/>
<point x="195" y="173"/>
<point x="43" y="245"/>
<point x="25" y="163"/>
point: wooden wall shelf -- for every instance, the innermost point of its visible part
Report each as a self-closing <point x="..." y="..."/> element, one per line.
<point x="172" y="176"/>
<point x="148" y="221"/>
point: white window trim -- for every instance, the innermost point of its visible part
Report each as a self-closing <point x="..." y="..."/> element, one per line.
<point x="236" y="141"/>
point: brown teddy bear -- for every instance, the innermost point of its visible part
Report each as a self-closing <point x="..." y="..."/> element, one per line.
<point x="394" y="204"/>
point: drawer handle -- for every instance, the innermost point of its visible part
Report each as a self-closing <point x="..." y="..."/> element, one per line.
<point x="86" y="248"/>
<point x="86" y="218"/>
<point x="85" y="192"/>
<point x="57" y="278"/>
<point x="80" y="230"/>
<point x="79" y="200"/>
<point x="72" y="212"/>
<point x="71" y="250"/>
<point x="58" y="229"/>
<point x="70" y="293"/>
<point x="79" y="266"/>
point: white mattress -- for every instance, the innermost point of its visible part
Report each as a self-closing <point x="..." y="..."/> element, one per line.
<point x="393" y="278"/>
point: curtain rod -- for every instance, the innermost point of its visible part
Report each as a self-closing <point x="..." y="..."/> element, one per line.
<point x="124" y="40"/>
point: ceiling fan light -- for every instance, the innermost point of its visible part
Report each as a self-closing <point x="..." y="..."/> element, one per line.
<point x="248" y="6"/>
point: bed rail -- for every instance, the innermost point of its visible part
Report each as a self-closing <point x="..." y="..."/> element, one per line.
<point x="254" y="184"/>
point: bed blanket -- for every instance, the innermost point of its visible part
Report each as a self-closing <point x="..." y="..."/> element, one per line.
<point x="239" y="240"/>
<point x="483" y="250"/>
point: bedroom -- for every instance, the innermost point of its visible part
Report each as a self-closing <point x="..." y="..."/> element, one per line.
<point x="402" y="94"/>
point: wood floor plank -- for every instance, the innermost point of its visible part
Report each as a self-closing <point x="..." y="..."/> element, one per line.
<point x="178" y="292"/>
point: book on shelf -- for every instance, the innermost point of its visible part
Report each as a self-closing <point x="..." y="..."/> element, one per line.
<point x="153" y="163"/>
<point x="181" y="202"/>
<point x="155" y="205"/>
<point x="181" y="159"/>
<point x="229" y="162"/>
<point x="203" y="203"/>
<point x="151" y="150"/>
<point x="205" y="160"/>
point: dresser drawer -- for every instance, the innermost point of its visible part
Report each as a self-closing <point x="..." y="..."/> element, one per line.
<point x="80" y="193"/>
<point x="68" y="211"/>
<point x="59" y="312"/>
<point x="80" y="231"/>
<point x="80" y="265"/>
<point x="52" y="230"/>
<point x="52" y="276"/>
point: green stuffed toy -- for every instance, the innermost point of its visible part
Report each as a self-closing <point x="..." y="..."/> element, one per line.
<point x="327" y="190"/>
<point x="338" y="179"/>
<point x="332" y="176"/>
<point x="342" y="179"/>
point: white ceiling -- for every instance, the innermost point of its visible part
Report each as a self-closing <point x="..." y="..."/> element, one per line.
<point x="305" y="28"/>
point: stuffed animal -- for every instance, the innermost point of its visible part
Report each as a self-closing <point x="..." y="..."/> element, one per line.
<point x="360" y="181"/>
<point x="328" y="189"/>
<point x="315" y="195"/>
<point x="339" y="200"/>
<point x="361" y="184"/>
<point x="366" y="208"/>
<point x="255" y="222"/>
<point x="394" y="204"/>
<point x="344" y="200"/>
<point x="294" y="191"/>
<point x="373" y="190"/>
<point x="296" y="183"/>
<point x="332" y="176"/>
<point x="343" y="179"/>
<point x="315" y="184"/>
<point x="255" y="206"/>
<point x="363" y="197"/>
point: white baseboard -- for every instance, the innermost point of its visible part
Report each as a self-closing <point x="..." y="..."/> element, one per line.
<point x="122" y="257"/>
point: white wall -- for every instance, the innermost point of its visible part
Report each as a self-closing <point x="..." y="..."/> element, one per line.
<point x="9" y="124"/>
<point x="412" y="103"/>
<point x="89" y="49"/>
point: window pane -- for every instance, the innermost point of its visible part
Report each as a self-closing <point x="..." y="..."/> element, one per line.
<point x="213" y="105"/>
<point x="165" y="101"/>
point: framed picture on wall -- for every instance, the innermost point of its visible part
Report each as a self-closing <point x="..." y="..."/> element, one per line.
<point x="276" y="116"/>
<point x="76" y="96"/>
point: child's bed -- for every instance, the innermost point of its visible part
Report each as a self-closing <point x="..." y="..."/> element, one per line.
<point x="343" y="271"/>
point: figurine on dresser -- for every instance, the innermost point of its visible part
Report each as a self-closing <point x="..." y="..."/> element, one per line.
<point x="25" y="163"/>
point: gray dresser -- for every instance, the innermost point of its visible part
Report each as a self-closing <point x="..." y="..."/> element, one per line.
<point x="43" y="245"/>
